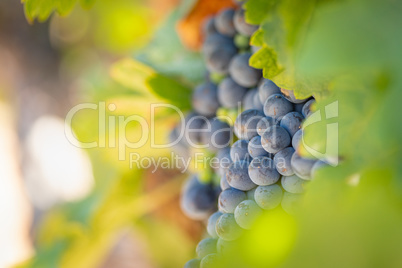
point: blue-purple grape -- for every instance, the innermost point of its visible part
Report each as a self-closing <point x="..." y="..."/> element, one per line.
<point x="275" y="138"/>
<point x="230" y="94"/>
<point x="297" y="138"/>
<point x="239" y="151"/>
<point x="224" y="22"/>
<point x="255" y="148"/>
<point x="220" y="135"/>
<point x="205" y="99"/>
<point x="209" y="26"/>
<point x="262" y="171"/>
<point x="242" y="72"/>
<point x="241" y="25"/>
<point x="306" y="110"/>
<point x="276" y="106"/>
<point x="302" y="166"/>
<point x="282" y="161"/>
<point x="265" y="123"/>
<point x="266" y="89"/>
<point x="248" y="99"/>
<point x="292" y="122"/>
<point x="290" y="96"/>
<point x="237" y="176"/>
<point x="245" y="126"/>
<point x="229" y="199"/>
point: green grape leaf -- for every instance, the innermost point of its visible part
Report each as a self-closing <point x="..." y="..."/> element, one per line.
<point x="258" y="38"/>
<point x="265" y="58"/>
<point x="42" y="9"/>
<point x="138" y="76"/>
<point x="258" y="10"/>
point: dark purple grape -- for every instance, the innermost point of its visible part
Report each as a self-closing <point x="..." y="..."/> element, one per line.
<point x="224" y="183"/>
<point x="205" y="99"/>
<point x="241" y="25"/>
<point x="209" y="26"/>
<point x="224" y="22"/>
<point x="257" y="103"/>
<point x="220" y="59"/>
<point x="248" y="99"/>
<point x="274" y="139"/>
<point x="297" y="138"/>
<point x="262" y="171"/>
<point x="193" y="124"/>
<point x="239" y="151"/>
<point x="266" y="89"/>
<point x="245" y="126"/>
<point x="224" y="161"/>
<point x="302" y="166"/>
<point x="265" y="123"/>
<point x="292" y="122"/>
<point x="230" y="94"/>
<point x="220" y="135"/>
<point x="282" y="161"/>
<point x="242" y="72"/>
<point x="276" y="106"/>
<point x="246" y="213"/>
<point x="229" y="199"/>
<point x="237" y="176"/>
<point x="215" y="41"/>
<point x="255" y="148"/>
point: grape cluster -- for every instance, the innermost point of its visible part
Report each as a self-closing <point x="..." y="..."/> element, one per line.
<point x="259" y="166"/>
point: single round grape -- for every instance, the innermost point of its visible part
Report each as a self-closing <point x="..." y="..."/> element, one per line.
<point x="290" y="96"/>
<point x="193" y="124"/>
<point x="224" y="161"/>
<point x="230" y="94"/>
<point x="306" y="111"/>
<point x="250" y="194"/>
<point x="268" y="197"/>
<point x="246" y="213"/>
<point x="297" y="138"/>
<point x="293" y="184"/>
<point x="265" y="123"/>
<point x="241" y="25"/>
<point x="257" y="103"/>
<point x="266" y="89"/>
<point x="194" y="263"/>
<point x="276" y="106"/>
<point x="245" y="126"/>
<point x="227" y="228"/>
<point x="248" y="99"/>
<point x="220" y="135"/>
<point x="219" y="60"/>
<point x="262" y="171"/>
<point x="255" y="148"/>
<point x="229" y="199"/>
<point x="205" y="247"/>
<point x="290" y="202"/>
<point x="224" y="22"/>
<point x="242" y="72"/>
<point x="205" y="99"/>
<point x="198" y="200"/>
<point x="317" y="166"/>
<point x="209" y="26"/>
<point x="210" y="261"/>
<point x="215" y="41"/>
<point x="274" y="139"/>
<point x="212" y="223"/>
<point x="239" y="151"/>
<point x="282" y="161"/>
<point x="237" y="176"/>
<point x="292" y="122"/>
<point x="302" y="166"/>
